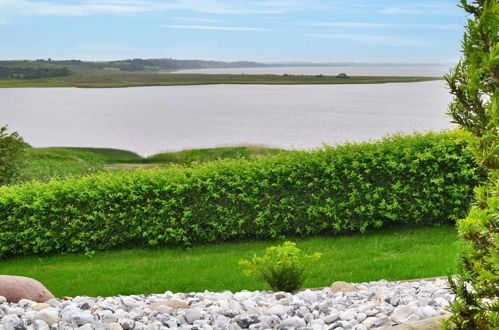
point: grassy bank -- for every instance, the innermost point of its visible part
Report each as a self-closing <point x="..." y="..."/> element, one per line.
<point x="108" y="155"/>
<point x="211" y="154"/>
<point x="392" y="254"/>
<point x="124" y="79"/>
<point x="45" y="164"/>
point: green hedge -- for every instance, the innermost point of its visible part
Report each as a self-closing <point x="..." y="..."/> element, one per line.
<point x="419" y="179"/>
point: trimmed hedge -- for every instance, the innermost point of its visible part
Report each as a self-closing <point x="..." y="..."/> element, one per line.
<point x="419" y="179"/>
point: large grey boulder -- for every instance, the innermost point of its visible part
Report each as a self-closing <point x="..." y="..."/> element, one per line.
<point x="15" y="288"/>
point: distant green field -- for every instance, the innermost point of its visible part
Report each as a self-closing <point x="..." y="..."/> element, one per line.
<point x="102" y="79"/>
<point x="15" y="83"/>
<point x="153" y="79"/>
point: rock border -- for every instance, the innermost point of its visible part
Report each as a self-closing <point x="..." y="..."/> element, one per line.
<point x="427" y="324"/>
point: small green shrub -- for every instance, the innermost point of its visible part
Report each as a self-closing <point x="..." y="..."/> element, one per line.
<point x="12" y="158"/>
<point x="283" y="267"/>
<point x="401" y="180"/>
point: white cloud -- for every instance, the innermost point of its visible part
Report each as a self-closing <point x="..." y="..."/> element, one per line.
<point x="422" y="8"/>
<point x="196" y="19"/>
<point x="383" y="25"/>
<point x="93" y="7"/>
<point x="378" y="40"/>
<point x="214" y="27"/>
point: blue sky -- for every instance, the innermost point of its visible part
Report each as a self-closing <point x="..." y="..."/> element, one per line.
<point x="424" y="31"/>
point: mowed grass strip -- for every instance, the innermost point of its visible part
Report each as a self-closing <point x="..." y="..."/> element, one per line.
<point x="392" y="254"/>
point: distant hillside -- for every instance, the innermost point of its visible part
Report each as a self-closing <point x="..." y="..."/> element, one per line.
<point x="136" y="64"/>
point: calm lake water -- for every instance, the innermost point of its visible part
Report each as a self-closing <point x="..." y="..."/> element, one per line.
<point x="408" y="70"/>
<point x="148" y="120"/>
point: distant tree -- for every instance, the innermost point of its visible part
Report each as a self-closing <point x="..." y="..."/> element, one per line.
<point x="32" y="73"/>
<point x="12" y="155"/>
<point x="474" y="82"/>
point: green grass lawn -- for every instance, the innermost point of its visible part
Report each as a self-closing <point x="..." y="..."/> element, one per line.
<point x="392" y="254"/>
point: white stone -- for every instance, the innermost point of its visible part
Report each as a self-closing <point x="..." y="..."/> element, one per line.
<point x="278" y="310"/>
<point x="243" y="295"/>
<point x="39" y="306"/>
<point x="294" y="321"/>
<point x="82" y="318"/>
<point x="359" y="327"/>
<point x="370" y="321"/>
<point x="49" y="315"/>
<point x="331" y="318"/>
<point x="308" y="295"/>
<point x="164" y="309"/>
<point x="54" y="302"/>
<point x="40" y="325"/>
<point x="347" y="316"/>
<point x="442" y="302"/>
<point x="364" y="309"/>
<point x="9" y="321"/>
<point x="192" y="315"/>
<point x="360" y="317"/>
<point x="26" y="303"/>
<point x="85" y="327"/>
<point x="429" y="311"/>
<point x="113" y="326"/>
<point x="412" y="318"/>
<point x="109" y="318"/>
<point x="401" y="313"/>
<point x="17" y="310"/>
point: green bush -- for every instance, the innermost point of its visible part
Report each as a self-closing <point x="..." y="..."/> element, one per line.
<point x="412" y="180"/>
<point x="474" y="82"/>
<point x="282" y="267"/>
<point x="12" y="158"/>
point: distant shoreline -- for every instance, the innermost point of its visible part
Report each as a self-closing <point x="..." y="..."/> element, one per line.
<point x="117" y="80"/>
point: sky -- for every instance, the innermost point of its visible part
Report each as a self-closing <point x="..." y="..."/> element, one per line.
<point x="379" y="31"/>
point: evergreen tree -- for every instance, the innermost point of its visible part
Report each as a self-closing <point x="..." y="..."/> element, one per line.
<point x="474" y="82"/>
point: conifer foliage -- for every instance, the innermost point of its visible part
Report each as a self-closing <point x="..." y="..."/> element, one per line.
<point x="474" y="82"/>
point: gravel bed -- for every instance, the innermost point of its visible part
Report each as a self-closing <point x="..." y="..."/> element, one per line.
<point x="373" y="305"/>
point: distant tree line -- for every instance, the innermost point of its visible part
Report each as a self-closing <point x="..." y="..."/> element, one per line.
<point x="32" y="73"/>
<point x="138" y="64"/>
